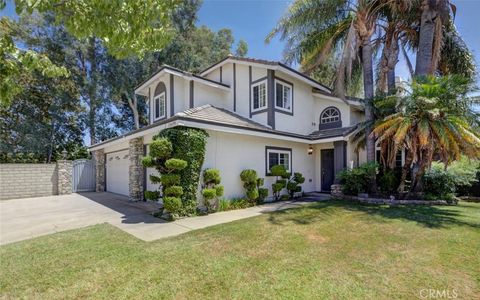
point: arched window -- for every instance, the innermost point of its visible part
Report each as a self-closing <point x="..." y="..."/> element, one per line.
<point x="330" y="118"/>
<point x="159" y="103"/>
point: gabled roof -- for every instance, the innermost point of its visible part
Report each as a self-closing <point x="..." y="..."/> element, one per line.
<point x="219" y="115"/>
<point x="211" y="115"/>
<point x="181" y="73"/>
<point x="275" y="64"/>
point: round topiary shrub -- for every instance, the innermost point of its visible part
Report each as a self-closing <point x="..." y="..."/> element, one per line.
<point x="148" y="162"/>
<point x="174" y="191"/>
<point x="170" y="179"/>
<point x="211" y="176"/>
<point x="248" y="175"/>
<point x="219" y="190"/>
<point x="161" y="148"/>
<point x="252" y="194"/>
<point x="172" y="204"/>
<point x="209" y="194"/>
<point x="175" y="164"/>
<point x="262" y="194"/>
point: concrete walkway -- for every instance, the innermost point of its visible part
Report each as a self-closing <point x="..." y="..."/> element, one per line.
<point x="22" y="219"/>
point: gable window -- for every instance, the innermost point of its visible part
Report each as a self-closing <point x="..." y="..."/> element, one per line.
<point x="159" y="106"/>
<point x="330" y="118"/>
<point x="330" y="115"/>
<point x="259" y="96"/>
<point x="279" y="156"/>
<point x="283" y="96"/>
<point x="159" y="102"/>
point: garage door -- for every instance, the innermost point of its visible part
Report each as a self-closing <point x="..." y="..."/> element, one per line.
<point x="117" y="172"/>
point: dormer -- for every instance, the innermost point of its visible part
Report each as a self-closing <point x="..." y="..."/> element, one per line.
<point x="170" y="91"/>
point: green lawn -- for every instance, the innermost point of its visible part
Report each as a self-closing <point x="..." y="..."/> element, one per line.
<point x="327" y="250"/>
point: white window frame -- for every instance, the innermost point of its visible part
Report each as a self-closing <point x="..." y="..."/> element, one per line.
<point x="277" y="151"/>
<point x="266" y="96"/>
<point x="330" y="118"/>
<point x="160" y="115"/>
<point x="284" y="84"/>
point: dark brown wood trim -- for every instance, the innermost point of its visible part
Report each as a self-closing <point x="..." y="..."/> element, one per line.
<point x="144" y="174"/>
<point x="250" y="90"/>
<point x="271" y="98"/>
<point x="279" y="110"/>
<point x="172" y="95"/>
<point x="192" y="86"/>
<point x="234" y="87"/>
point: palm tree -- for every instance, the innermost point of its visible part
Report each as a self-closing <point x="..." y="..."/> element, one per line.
<point x="316" y="30"/>
<point x="435" y="119"/>
<point x="434" y="15"/>
<point x="395" y="22"/>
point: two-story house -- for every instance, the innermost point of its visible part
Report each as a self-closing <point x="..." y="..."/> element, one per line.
<point x="257" y="113"/>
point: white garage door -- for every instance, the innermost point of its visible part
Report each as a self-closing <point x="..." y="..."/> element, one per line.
<point x="117" y="172"/>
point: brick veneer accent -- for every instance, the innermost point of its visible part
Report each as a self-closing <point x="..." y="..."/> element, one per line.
<point x="64" y="176"/>
<point x="99" y="157"/>
<point x="136" y="172"/>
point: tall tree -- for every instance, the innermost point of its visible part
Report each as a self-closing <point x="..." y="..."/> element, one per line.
<point x="126" y="28"/>
<point x="192" y="50"/>
<point x="16" y="63"/>
<point x="434" y="14"/>
<point x="46" y="116"/>
<point x="316" y="29"/>
<point x="242" y="48"/>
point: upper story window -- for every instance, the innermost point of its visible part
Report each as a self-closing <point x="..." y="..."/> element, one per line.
<point x="259" y="96"/>
<point x="159" y="104"/>
<point x="330" y="115"/>
<point x="283" y="96"/>
<point x="330" y="118"/>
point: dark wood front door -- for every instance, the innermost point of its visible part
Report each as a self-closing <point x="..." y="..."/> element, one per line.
<point x="327" y="169"/>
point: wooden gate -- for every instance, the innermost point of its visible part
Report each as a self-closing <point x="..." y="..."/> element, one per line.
<point x="83" y="175"/>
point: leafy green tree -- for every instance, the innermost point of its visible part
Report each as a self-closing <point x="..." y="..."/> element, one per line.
<point x="242" y="48"/>
<point x="126" y="28"/>
<point x="47" y="115"/>
<point x="16" y="64"/>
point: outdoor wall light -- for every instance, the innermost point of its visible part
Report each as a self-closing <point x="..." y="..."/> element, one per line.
<point x="310" y="150"/>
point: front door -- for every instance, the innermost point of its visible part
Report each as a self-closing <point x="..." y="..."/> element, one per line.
<point x="327" y="169"/>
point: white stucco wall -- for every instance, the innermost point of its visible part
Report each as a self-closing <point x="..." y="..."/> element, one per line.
<point x="204" y="94"/>
<point x="233" y="153"/>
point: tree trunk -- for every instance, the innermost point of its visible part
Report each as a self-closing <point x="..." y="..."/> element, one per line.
<point x="405" y="169"/>
<point x="368" y="91"/>
<point x="52" y="139"/>
<point x="92" y="91"/>
<point x="425" y="44"/>
<point x="134" y="106"/>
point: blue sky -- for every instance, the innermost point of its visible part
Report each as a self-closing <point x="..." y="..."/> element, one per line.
<point x="252" y="20"/>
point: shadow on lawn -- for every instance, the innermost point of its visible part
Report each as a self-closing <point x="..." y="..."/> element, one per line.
<point x="428" y="216"/>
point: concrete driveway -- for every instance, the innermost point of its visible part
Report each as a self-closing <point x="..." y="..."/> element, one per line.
<point x="22" y="219"/>
<point x="30" y="217"/>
